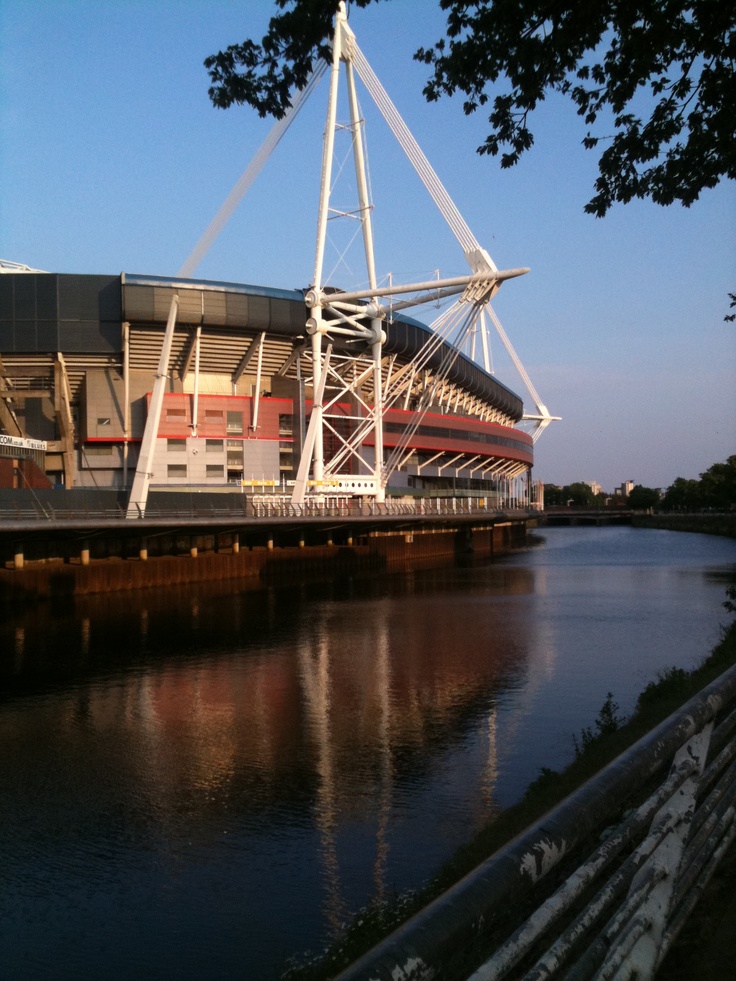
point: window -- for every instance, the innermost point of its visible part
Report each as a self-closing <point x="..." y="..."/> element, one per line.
<point x="176" y="470"/>
<point x="213" y="445"/>
<point x="176" y="445"/>
<point x="215" y="471"/>
<point x="286" y="457"/>
<point x="235" y="422"/>
<point x="96" y="450"/>
<point x="176" y="415"/>
<point x="213" y="416"/>
<point x="286" y="444"/>
<point x="234" y="453"/>
<point x="104" y="421"/>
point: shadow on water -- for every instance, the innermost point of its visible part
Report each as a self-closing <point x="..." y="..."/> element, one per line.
<point x="199" y="781"/>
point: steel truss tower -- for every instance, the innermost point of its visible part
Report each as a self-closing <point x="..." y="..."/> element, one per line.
<point x="352" y="384"/>
<point x="339" y="320"/>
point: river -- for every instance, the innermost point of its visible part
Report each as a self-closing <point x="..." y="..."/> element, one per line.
<point x="200" y="782"/>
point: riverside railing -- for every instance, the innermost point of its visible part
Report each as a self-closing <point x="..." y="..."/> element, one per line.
<point x="600" y="886"/>
<point x="261" y="508"/>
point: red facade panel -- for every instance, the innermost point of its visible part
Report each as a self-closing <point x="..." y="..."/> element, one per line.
<point x="231" y="417"/>
<point x="220" y="416"/>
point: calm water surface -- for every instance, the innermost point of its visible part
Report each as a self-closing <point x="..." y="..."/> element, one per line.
<point x="200" y="783"/>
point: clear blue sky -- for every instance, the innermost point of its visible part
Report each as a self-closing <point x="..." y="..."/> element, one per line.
<point x="112" y="159"/>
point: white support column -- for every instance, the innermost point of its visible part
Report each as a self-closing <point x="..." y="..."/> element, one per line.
<point x="141" y="481"/>
<point x="427" y="463"/>
<point x="195" y="401"/>
<point x="314" y="325"/>
<point x="257" y="399"/>
<point x="328" y="147"/>
<point x="126" y="399"/>
<point x="318" y="388"/>
<point x="377" y="349"/>
<point x="360" y="175"/>
<point x="314" y="427"/>
<point x="365" y="217"/>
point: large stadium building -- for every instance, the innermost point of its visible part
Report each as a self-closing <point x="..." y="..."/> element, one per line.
<point x="79" y="356"/>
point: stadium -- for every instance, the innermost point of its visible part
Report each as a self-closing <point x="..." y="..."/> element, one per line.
<point x="141" y="382"/>
<point x="79" y="355"/>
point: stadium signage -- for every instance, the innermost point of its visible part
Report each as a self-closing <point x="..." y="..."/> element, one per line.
<point x="22" y="443"/>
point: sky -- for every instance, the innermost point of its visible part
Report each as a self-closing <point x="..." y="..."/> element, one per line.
<point x="112" y="159"/>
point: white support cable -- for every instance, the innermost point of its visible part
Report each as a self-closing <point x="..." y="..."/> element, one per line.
<point x="517" y="362"/>
<point x="487" y="353"/>
<point x="249" y="175"/>
<point x="544" y="418"/>
<point x="428" y="395"/>
<point x="416" y="157"/>
<point x="470" y="245"/>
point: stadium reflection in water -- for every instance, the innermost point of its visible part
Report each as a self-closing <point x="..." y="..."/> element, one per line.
<point x="200" y="782"/>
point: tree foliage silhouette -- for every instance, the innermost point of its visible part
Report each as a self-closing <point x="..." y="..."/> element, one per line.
<point x="654" y="81"/>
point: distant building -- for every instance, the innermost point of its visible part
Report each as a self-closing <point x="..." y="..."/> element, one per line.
<point x="595" y="487"/>
<point x="625" y="489"/>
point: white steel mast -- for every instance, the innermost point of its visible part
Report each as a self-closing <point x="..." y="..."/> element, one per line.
<point x="359" y="315"/>
<point x="350" y="322"/>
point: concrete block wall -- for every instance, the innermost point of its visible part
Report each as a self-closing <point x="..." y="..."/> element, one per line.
<point x="203" y="465"/>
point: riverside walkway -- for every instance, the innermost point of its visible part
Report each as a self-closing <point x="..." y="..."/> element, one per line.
<point x="56" y="544"/>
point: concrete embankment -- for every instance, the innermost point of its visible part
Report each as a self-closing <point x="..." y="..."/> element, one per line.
<point x="704" y="524"/>
<point x="95" y="560"/>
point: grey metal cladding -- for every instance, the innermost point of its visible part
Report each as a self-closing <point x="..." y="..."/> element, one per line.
<point x="47" y="298"/>
<point x="138" y="303"/>
<point x="190" y="307"/>
<point x="47" y="335"/>
<point x="25" y="296"/>
<point x="88" y="297"/>
<point x="111" y="300"/>
<point x="259" y="312"/>
<point x="111" y="337"/>
<point x="280" y="314"/>
<point x="215" y="307"/>
<point x="236" y="305"/>
<point x="7" y="297"/>
<point x="298" y="313"/>
<point x="161" y="303"/>
<point x="80" y="337"/>
<point x="24" y="337"/>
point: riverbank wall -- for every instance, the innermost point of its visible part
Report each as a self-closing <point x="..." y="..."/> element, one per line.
<point x="87" y="560"/>
<point x="704" y="524"/>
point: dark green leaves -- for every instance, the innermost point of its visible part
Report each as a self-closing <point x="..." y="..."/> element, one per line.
<point x="655" y="80"/>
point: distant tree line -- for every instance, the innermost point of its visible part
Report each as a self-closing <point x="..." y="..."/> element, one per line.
<point x="714" y="491"/>
<point x="577" y="495"/>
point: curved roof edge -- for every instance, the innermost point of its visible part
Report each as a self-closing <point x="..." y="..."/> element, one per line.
<point x="405" y="336"/>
